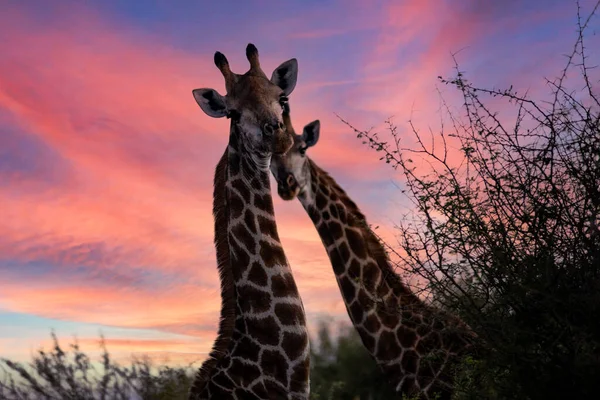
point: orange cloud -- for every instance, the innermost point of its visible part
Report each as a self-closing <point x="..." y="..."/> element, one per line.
<point x="148" y="345"/>
<point x="181" y="308"/>
<point x="176" y="352"/>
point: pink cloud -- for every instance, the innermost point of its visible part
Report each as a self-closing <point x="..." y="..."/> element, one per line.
<point x="416" y="44"/>
<point x="116" y="106"/>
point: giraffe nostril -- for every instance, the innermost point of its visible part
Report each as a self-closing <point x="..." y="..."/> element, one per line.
<point x="290" y="180"/>
<point x="268" y="128"/>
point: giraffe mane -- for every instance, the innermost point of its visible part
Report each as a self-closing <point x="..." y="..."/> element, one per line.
<point x="228" y="305"/>
<point x="376" y="249"/>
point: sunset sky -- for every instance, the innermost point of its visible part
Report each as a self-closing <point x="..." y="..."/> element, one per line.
<point x="106" y="160"/>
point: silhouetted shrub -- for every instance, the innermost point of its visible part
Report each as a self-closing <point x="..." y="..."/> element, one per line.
<point x="508" y="235"/>
<point x="71" y="375"/>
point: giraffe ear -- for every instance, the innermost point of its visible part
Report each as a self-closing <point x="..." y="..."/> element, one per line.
<point x="286" y="75"/>
<point x="211" y="102"/>
<point x="310" y="134"/>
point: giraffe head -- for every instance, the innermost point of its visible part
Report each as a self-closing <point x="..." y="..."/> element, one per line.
<point x="291" y="169"/>
<point x="253" y="102"/>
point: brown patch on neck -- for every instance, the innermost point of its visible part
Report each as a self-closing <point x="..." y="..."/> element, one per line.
<point x="227" y="322"/>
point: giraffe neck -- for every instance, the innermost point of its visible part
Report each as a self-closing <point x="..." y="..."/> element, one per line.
<point x="262" y="349"/>
<point x="395" y="326"/>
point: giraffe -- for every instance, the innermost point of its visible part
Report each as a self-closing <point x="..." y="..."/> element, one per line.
<point x="262" y="347"/>
<point x="412" y="342"/>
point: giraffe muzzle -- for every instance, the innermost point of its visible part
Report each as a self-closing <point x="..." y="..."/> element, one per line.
<point x="288" y="189"/>
<point x="282" y="140"/>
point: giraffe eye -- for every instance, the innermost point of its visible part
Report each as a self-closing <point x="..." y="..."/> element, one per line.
<point x="302" y="150"/>
<point x="283" y="102"/>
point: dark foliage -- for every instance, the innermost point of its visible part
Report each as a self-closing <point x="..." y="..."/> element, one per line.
<point x="342" y="369"/>
<point x="71" y="375"/>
